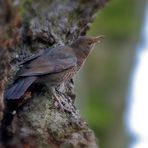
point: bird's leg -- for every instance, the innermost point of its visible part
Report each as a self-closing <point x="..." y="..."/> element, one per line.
<point x="57" y="98"/>
<point x="59" y="89"/>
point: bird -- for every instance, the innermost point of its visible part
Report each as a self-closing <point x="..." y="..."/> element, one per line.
<point x="52" y="66"/>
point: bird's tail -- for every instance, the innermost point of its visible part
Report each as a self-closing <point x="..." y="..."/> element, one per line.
<point x="19" y="87"/>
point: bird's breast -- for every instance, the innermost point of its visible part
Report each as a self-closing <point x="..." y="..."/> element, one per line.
<point x="80" y="64"/>
<point x="55" y="79"/>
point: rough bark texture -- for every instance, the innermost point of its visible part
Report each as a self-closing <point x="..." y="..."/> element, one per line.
<point x="27" y="27"/>
<point x="4" y="50"/>
<point x="4" y="69"/>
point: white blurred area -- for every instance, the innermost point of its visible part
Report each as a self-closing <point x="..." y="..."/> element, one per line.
<point x="137" y="114"/>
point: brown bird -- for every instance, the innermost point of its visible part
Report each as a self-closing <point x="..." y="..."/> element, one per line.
<point x="52" y="67"/>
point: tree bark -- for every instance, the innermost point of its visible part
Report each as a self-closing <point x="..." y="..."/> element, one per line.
<point x="5" y="19"/>
<point x="28" y="27"/>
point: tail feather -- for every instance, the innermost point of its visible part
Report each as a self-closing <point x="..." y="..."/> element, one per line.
<point x="18" y="89"/>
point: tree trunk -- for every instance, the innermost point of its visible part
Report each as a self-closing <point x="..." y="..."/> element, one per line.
<point x="28" y="27"/>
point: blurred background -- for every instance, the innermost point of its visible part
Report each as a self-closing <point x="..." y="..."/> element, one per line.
<point x="105" y="84"/>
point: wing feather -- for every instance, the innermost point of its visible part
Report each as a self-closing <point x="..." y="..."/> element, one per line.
<point x="54" y="61"/>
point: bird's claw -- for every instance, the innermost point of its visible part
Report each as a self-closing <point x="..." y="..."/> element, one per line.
<point x="60" y="105"/>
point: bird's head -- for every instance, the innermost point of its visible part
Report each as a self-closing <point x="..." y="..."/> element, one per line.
<point x="85" y="44"/>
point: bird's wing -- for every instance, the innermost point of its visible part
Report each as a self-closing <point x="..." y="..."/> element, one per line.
<point x="56" y="60"/>
<point x="31" y="57"/>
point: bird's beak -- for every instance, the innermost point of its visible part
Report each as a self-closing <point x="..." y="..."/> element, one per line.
<point x="98" y="39"/>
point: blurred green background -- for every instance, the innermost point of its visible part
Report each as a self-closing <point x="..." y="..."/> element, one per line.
<point x="102" y="84"/>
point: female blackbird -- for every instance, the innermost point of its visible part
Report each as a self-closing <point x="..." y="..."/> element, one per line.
<point x="52" y="67"/>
